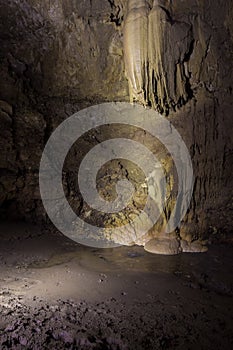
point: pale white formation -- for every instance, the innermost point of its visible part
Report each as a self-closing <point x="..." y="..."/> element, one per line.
<point x="135" y="48"/>
<point x="156" y="51"/>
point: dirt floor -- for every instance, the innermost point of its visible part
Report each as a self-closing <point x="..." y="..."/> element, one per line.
<point x="55" y="294"/>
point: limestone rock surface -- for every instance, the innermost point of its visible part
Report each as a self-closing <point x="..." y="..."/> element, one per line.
<point x="58" y="57"/>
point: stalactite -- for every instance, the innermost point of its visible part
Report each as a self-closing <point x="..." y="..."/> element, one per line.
<point x="169" y="45"/>
<point x="135" y="48"/>
<point x="156" y="51"/>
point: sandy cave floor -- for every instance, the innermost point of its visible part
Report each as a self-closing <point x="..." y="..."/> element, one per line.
<point x="55" y="294"/>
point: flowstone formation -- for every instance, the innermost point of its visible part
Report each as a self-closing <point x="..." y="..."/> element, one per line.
<point x="135" y="48"/>
<point x="156" y="51"/>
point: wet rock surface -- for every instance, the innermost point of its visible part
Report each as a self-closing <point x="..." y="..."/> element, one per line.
<point x="166" y="246"/>
<point x="56" y="294"/>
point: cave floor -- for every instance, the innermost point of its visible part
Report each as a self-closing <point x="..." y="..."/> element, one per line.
<point x="59" y="295"/>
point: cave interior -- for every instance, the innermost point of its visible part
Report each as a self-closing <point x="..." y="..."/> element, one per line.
<point x="144" y="89"/>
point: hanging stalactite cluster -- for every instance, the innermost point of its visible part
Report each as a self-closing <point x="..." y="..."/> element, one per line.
<point x="156" y="50"/>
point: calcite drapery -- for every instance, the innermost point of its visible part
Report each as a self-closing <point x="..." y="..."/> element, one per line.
<point x="135" y="48"/>
<point x="156" y="51"/>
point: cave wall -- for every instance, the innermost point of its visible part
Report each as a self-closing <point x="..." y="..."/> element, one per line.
<point x="58" y="57"/>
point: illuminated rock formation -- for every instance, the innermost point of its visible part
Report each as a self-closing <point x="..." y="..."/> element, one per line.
<point x="135" y="48"/>
<point x="156" y="50"/>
